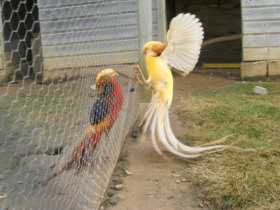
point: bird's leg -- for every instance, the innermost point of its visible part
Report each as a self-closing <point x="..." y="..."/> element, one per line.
<point x="137" y="68"/>
<point x="150" y="88"/>
<point x="137" y="79"/>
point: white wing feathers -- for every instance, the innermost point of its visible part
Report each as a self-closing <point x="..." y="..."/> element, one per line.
<point x="184" y="40"/>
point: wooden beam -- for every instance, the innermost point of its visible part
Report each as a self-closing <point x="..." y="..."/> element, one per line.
<point x="89" y="60"/>
<point x="145" y="35"/>
<point x="221" y="65"/>
<point x="261" y="26"/>
<point x="161" y="20"/>
<point x="258" y="3"/>
<point x="261" y="53"/>
<point x="261" y="40"/>
<point x="221" y="39"/>
<point x="261" y="13"/>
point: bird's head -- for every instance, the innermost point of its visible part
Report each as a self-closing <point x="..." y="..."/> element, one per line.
<point x="148" y="46"/>
<point x="103" y="78"/>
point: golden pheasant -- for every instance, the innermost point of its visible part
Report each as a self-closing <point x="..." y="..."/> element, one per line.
<point x="103" y="115"/>
<point x="180" y="54"/>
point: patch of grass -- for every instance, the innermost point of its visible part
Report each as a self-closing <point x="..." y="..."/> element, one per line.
<point x="246" y="180"/>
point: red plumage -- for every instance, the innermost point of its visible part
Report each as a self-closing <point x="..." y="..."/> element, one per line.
<point x="114" y="102"/>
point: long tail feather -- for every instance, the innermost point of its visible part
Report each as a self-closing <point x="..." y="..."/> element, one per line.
<point x="153" y="131"/>
<point x="157" y="119"/>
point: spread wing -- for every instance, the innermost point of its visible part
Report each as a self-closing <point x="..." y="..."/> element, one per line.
<point x="184" y="39"/>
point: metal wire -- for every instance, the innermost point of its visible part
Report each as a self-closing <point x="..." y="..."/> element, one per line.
<point x="52" y="51"/>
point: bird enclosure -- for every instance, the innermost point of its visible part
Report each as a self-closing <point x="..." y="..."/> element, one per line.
<point x="51" y="54"/>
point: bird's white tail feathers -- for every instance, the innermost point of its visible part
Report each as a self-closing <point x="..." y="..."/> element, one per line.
<point x="156" y="119"/>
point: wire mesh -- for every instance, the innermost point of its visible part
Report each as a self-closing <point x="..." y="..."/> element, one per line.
<point x="52" y="51"/>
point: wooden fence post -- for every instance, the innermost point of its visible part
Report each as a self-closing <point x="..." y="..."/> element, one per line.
<point x="145" y="35"/>
<point x="161" y="20"/>
<point x="2" y="71"/>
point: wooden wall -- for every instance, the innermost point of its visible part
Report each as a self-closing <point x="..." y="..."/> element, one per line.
<point x="77" y="33"/>
<point x="219" y="18"/>
<point x="155" y="28"/>
<point x="261" y="30"/>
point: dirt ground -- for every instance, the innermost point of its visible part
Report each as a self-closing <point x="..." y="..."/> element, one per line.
<point x="152" y="184"/>
<point x="157" y="184"/>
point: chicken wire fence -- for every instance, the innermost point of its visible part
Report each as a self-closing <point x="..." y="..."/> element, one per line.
<point x="52" y="52"/>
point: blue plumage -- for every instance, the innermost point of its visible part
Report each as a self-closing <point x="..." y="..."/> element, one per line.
<point x="98" y="112"/>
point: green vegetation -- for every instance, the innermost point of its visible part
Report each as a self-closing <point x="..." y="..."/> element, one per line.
<point x="246" y="180"/>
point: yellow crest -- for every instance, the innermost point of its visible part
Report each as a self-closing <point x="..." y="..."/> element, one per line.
<point x="109" y="72"/>
<point x="150" y="44"/>
<point x="105" y="72"/>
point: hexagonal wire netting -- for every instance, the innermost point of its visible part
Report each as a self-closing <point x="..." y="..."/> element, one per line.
<point x="52" y="51"/>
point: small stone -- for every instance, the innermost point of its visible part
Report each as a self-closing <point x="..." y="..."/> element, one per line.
<point x="128" y="172"/>
<point x="178" y="182"/>
<point x="11" y="138"/>
<point x="117" y="181"/>
<point x="170" y="197"/>
<point x="110" y="201"/>
<point x="119" y="186"/>
<point x="3" y="195"/>
<point x="110" y="194"/>
<point x="184" y="180"/>
<point x="149" y="193"/>
<point x="151" y="196"/>
<point x="176" y="175"/>
<point x="102" y="208"/>
<point x="20" y="182"/>
<point x="62" y="192"/>
<point x="201" y="205"/>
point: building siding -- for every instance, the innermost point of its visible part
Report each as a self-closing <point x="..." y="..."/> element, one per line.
<point x="88" y="32"/>
<point x="261" y="30"/>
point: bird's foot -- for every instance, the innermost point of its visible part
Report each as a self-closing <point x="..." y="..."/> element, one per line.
<point x="137" y="80"/>
<point x="137" y="67"/>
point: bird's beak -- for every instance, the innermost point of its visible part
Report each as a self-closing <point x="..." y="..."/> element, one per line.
<point x="93" y="87"/>
<point x="144" y="52"/>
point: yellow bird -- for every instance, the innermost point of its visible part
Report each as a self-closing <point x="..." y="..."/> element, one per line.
<point x="180" y="54"/>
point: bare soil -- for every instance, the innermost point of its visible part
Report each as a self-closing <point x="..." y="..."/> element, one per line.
<point x="153" y="184"/>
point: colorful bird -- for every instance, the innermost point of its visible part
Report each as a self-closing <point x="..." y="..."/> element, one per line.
<point x="180" y="54"/>
<point x="105" y="110"/>
<point x="103" y="115"/>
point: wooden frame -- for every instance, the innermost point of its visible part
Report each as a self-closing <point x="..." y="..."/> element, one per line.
<point x="146" y="34"/>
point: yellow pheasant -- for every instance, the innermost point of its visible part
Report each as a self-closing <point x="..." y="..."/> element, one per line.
<point x="180" y="54"/>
